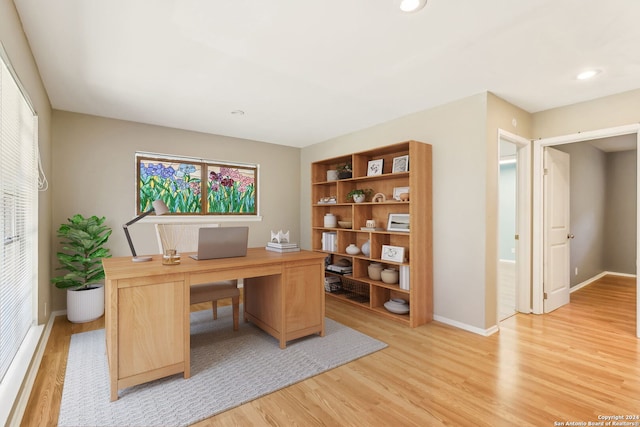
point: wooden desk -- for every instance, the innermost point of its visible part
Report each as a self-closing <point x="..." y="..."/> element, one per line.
<point x="147" y="307"/>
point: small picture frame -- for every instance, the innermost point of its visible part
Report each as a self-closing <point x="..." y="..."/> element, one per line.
<point x="397" y="191"/>
<point x="374" y="167"/>
<point x="392" y="253"/>
<point x="398" y="222"/>
<point x="400" y="164"/>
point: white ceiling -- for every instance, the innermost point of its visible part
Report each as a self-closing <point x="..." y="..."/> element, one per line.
<point x="307" y="71"/>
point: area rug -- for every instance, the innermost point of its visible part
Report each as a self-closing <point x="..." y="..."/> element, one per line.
<point x="227" y="369"/>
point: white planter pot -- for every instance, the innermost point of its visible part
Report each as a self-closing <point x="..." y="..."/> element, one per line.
<point x="359" y="198"/>
<point x="85" y="305"/>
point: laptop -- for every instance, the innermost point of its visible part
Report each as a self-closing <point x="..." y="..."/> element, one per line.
<point x="221" y="242"/>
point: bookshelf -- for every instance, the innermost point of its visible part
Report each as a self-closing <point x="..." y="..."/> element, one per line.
<point x="411" y="231"/>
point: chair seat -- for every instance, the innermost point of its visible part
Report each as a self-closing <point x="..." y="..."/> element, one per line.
<point x="214" y="291"/>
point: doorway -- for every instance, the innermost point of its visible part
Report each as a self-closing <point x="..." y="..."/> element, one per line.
<point x="514" y="225"/>
<point x="632" y="131"/>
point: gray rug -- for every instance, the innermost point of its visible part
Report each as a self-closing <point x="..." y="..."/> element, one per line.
<point x="227" y="369"/>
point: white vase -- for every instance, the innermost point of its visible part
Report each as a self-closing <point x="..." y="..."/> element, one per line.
<point x="366" y="248"/>
<point x="352" y="249"/>
<point x="332" y="175"/>
<point x="359" y="198"/>
<point x="85" y="305"/>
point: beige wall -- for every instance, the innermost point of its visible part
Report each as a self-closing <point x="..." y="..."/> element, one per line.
<point x="610" y="111"/>
<point x="94" y="174"/>
<point x="19" y="52"/>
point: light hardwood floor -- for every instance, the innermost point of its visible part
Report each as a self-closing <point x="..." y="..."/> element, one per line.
<point x="575" y="364"/>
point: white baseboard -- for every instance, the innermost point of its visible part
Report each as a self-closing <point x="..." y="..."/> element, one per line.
<point x="31" y="362"/>
<point x="596" y="277"/>
<point x="484" y="332"/>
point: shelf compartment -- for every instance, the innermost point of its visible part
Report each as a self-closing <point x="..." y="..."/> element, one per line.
<point x="355" y="290"/>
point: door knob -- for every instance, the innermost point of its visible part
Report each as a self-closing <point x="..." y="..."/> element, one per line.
<point x="570" y="236"/>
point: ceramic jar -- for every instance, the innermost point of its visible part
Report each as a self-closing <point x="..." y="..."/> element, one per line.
<point x="332" y="175"/>
<point x="330" y="220"/>
<point x="374" y="270"/>
<point x="389" y="276"/>
<point x="352" y="249"/>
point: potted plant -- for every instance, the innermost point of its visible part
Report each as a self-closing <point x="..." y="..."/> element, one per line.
<point x="344" y="170"/>
<point x="83" y="248"/>
<point x="359" y="194"/>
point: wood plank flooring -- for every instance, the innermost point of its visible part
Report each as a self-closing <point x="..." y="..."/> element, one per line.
<point x="575" y="364"/>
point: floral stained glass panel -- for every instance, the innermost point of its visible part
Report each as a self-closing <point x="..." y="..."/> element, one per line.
<point x="177" y="184"/>
<point x="231" y="190"/>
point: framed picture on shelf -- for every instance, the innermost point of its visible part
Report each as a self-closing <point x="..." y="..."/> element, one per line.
<point x="392" y="253"/>
<point x="375" y="167"/>
<point x="398" y="222"/>
<point x="397" y="191"/>
<point x="401" y="164"/>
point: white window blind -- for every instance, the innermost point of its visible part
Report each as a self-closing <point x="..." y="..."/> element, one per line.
<point x="18" y="218"/>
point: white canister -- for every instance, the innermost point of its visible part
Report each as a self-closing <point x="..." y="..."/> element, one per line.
<point x="332" y="175"/>
<point x="330" y="220"/>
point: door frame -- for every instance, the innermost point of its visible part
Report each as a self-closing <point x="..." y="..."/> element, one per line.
<point x="523" y="219"/>
<point x="537" y="223"/>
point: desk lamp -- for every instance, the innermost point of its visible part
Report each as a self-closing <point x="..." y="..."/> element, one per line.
<point x="160" y="208"/>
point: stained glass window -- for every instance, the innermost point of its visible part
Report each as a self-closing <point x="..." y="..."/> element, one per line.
<point x="197" y="186"/>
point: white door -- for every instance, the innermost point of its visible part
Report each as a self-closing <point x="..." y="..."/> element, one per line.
<point x="557" y="232"/>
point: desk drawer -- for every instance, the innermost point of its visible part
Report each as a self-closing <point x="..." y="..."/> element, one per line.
<point x="234" y="273"/>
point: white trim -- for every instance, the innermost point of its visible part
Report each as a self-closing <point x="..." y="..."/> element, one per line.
<point x="198" y="219"/>
<point x="484" y="332"/>
<point x="597" y="277"/>
<point x="587" y="282"/>
<point x="523" y="248"/>
<point x="537" y="243"/>
<point x="18" y="373"/>
<point x="30" y="378"/>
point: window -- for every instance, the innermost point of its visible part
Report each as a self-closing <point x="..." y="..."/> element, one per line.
<point x="18" y="234"/>
<point x="190" y="186"/>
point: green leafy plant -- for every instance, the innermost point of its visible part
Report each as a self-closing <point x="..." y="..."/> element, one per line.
<point x="83" y="248"/>
<point x="359" y="191"/>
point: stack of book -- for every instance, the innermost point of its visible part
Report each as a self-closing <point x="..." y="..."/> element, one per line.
<point x="340" y="269"/>
<point x="329" y="241"/>
<point x="282" y="247"/>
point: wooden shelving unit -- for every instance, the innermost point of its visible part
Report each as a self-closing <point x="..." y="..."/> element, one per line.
<point x="358" y="289"/>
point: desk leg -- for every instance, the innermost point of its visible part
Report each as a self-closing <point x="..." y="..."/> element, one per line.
<point x="187" y="326"/>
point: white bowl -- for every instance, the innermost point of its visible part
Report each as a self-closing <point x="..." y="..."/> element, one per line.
<point x="396" y="308"/>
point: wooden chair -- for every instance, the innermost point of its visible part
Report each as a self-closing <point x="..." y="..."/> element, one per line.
<point x="184" y="238"/>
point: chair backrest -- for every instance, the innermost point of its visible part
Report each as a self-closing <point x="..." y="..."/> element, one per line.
<point x="180" y="236"/>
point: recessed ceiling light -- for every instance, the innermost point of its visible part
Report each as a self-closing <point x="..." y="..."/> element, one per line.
<point x="585" y="75"/>
<point x="237" y="113"/>
<point x="412" y="5"/>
